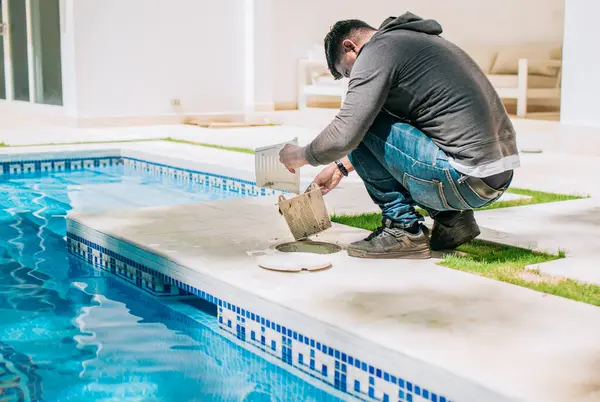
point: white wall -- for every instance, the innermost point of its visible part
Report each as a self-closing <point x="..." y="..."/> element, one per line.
<point x="299" y="25"/>
<point x="263" y="53"/>
<point x="68" y="61"/>
<point x="130" y="58"/>
<point x="581" y="61"/>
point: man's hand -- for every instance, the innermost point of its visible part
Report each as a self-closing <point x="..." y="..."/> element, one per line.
<point x="292" y="156"/>
<point x="331" y="176"/>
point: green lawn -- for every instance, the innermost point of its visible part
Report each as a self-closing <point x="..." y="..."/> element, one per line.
<point x="537" y="197"/>
<point x="501" y="262"/>
<point x="373" y="220"/>
<point x="169" y="139"/>
<point x="202" y="144"/>
<point x="507" y="264"/>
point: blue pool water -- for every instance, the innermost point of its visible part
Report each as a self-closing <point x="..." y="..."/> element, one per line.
<point x="69" y="332"/>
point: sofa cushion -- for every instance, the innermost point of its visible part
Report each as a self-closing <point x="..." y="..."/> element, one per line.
<point x="484" y="56"/>
<point x="507" y="61"/>
<point x="511" y="81"/>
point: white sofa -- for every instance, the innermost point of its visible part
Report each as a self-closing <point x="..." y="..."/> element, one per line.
<point x="522" y="72"/>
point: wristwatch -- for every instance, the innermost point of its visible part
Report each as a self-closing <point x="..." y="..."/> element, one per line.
<point x="342" y="168"/>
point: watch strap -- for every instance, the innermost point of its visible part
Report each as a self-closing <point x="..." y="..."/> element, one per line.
<point x="342" y="168"/>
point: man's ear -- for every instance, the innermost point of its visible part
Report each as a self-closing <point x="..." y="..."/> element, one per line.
<point x="348" y="45"/>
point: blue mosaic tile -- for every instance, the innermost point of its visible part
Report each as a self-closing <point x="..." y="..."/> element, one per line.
<point x="251" y="322"/>
<point x="10" y="169"/>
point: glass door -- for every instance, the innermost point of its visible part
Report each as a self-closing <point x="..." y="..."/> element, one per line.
<point x="3" y="33"/>
<point x="46" y="58"/>
<point x="18" y="38"/>
<point x="30" y="51"/>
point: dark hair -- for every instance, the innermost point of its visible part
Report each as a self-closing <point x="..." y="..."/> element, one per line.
<point x="341" y="31"/>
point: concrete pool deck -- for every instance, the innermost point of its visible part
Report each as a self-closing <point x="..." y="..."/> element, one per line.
<point x="470" y="337"/>
<point x="572" y="222"/>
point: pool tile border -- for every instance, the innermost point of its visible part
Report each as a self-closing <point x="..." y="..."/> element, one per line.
<point x="329" y="365"/>
<point x="16" y="167"/>
<point x="19" y="168"/>
<point x="183" y="175"/>
<point x="332" y="366"/>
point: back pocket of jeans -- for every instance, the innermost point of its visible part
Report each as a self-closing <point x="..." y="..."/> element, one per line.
<point x="428" y="193"/>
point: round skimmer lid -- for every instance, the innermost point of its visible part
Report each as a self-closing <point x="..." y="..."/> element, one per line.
<point x="299" y="256"/>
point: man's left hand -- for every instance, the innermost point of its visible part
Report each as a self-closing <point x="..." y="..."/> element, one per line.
<point x="292" y="156"/>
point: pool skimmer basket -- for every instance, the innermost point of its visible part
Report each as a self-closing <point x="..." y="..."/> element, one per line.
<point x="305" y="214"/>
<point x="271" y="173"/>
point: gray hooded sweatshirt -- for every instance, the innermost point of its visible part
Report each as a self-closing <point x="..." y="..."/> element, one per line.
<point x="408" y="70"/>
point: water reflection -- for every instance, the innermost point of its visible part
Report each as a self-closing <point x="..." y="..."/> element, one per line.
<point x="69" y="332"/>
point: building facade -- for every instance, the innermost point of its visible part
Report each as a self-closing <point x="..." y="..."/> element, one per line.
<point x="99" y="62"/>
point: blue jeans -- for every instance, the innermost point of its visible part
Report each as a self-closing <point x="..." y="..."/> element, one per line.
<point x="402" y="167"/>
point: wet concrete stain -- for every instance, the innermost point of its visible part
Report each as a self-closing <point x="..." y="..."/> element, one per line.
<point x="589" y="390"/>
<point x="589" y="217"/>
<point x="430" y="308"/>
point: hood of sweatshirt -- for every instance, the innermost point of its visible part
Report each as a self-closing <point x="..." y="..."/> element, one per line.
<point x="410" y="22"/>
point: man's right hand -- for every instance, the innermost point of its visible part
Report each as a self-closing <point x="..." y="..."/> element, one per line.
<point x="331" y="176"/>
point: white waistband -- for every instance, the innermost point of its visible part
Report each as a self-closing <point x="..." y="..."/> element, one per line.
<point x="488" y="169"/>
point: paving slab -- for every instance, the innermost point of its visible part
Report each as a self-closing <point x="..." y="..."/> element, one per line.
<point x="481" y="331"/>
<point x="512" y="342"/>
<point x="542" y="227"/>
<point x="569" y="226"/>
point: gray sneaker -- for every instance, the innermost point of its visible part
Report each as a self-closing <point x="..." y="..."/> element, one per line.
<point x="451" y="229"/>
<point x="391" y="242"/>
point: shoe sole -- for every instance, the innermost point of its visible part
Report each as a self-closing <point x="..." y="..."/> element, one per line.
<point x="408" y="255"/>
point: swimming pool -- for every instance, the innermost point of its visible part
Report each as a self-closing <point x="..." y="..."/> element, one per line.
<point x="72" y="332"/>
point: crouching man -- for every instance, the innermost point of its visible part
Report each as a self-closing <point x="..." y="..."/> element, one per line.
<point x="421" y="125"/>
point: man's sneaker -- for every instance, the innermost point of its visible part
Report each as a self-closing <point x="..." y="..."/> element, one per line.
<point x="453" y="228"/>
<point x="391" y="242"/>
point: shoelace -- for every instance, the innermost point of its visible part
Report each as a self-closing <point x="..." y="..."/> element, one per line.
<point x="378" y="232"/>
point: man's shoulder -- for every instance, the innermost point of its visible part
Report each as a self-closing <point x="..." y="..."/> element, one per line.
<point x="390" y="47"/>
